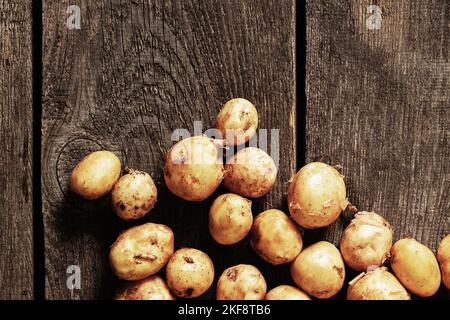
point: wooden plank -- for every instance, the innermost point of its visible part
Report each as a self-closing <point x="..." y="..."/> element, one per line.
<point x="134" y="72"/>
<point x="16" y="176"/>
<point x="378" y="103"/>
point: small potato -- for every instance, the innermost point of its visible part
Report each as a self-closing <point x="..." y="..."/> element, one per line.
<point x="189" y="273"/>
<point x="95" y="175"/>
<point x="134" y="195"/>
<point x="192" y="168"/>
<point x="250" y="172"/>
<point x="230" y="218"/>
<point x="285" y="292"/>
<point x="443" y="256"/>
<point x="366" y="241"/>
<point x="241" y="282"/>
<point x="316" y="195"/>
<point x="378" y="284"/>
<point x="238" y="121"/>
<point x="416" y="267"/>
<point x="141" y="251"/>
<point x="319" y="270"/>
<point x="152" y="288"/>
<point x="275" y="237"/>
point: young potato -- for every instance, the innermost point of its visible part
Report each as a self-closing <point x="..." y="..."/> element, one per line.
<point x="230" y="218"/>
<point x="95" y="175"/>
<point x="366" y="241"/>
<point x="416" y="267"/>
<point x="285" y="292"/>
<point x="319" y="270"/>
<point x="238" y="121"/>
<point x="378" y="284"/>
<point x="275" y="237"/>
<point x="192" y="168"/>
<point x="241" y="282"/>
<point x="316" y="195"/>
<point x="189" y="273"/>
<point x="141" y="251"/>
<point x="134" y="195"/>
<point x="250" y="172"/>
<point x="443" y="256"/>
<point x="152" y="288"/>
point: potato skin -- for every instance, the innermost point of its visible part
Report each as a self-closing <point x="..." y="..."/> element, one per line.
<point x="151" y="288"/>
<point x="141" y="251"/>
<point x="95" y="175"/>
<point x="443" y="256"/>
<point x="275" y="237"/>
<point x="192" y="169"/>
<point x="238" y="121"/>
<point x="230" y="218"/>
<point x="366" y="241"/>
<point x="319" y="270"/>
<point x="316" y="195"/>
<point x="378" y="284"/>
<point x="250" y="172"/>
<point x="416" y="267"/>
<point x="241" y="282"/>
<point x="134" y="195"/>
<point x="285" y="292"/>
<point x="189" y="273"/>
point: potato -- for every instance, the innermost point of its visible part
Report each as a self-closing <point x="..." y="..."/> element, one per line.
<point x="141" y="251"/>
<point x="366" y="241"/>
<point x="192" y="168"/>
<point x="316" y="195"/>
<point x="443" y="256"/>
<point x="189" y="273"/>
<point x="241" y="282"/>
<point x="250" y="172"/>
<point x="152" y="288"/>
<point x="416" y="267"/>
<point x="134" y="195"/>
<point x="285" y="292"/>
<point x="275" y="237"/>
<point x="95" y="175"/>
<point x="238" y="121"/>
<point x="230" y="218"/>
<point x="319" y="270"/>
<point x="378" y="284"/>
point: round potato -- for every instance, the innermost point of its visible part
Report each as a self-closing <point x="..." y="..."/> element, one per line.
<point x="237" y="121"/>
<point x="250" y="172"/>
<point x="275" y="237"/>
<point x="319" y="270"/>
<point x="95" y="175"/>
<point x="285" y="292"/>
<point x="134" y="195"/>
<point x="316" y="195"/>
<point x="230" y="218"/>
<point x="378" y="284"/>
<point x="241" y="282"/>
<point x="189" y="273"/>
<point x="366" y="241"/>
<point x="152" y="288"/>
<point x="443" y="256"/>
<point x="192" y="168"/>
<point x="141" y="251"/>
<point x="416" y="267"/>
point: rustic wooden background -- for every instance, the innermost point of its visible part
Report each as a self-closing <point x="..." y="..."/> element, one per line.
<point x="374" y="101"/>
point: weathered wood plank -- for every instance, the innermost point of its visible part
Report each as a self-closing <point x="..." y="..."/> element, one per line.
<point x="16" y="176"/>
<point x="134" y="72"/>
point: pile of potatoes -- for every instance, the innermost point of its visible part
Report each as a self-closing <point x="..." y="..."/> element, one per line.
<point x="316" y="197"/>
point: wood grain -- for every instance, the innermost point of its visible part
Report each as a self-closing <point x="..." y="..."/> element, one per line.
<point x="16" y="218"/>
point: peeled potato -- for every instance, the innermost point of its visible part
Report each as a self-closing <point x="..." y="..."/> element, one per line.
<point x="316" y="195"/>
<point x="416" y="267"/>
<point x="241" y="282"/>
<point x="152" y="288"/>
<point x="443" y="256"/>
<point x="285" y="292"/>
<point x="95" y="175"/>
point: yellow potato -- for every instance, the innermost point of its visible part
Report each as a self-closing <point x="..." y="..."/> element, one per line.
<point x="443" y="256"/>
<point x="241" y="282"/>
<point x="285" y="292"/>
<point x="152" y="288"/>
